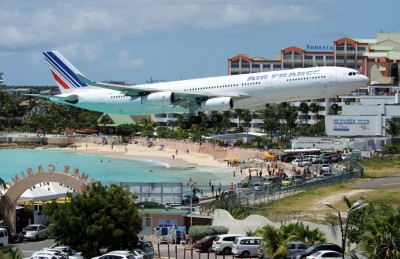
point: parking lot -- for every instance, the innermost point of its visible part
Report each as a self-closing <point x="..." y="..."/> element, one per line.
<point x="174" y="251"/>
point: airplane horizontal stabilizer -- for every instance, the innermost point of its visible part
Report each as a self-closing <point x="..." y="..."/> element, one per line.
<point x="73" y="99"/>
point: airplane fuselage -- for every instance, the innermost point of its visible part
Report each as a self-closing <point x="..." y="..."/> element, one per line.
<point x="259" y="88"/>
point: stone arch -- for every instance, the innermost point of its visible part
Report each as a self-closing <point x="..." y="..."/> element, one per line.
<point x="10" y="198"/>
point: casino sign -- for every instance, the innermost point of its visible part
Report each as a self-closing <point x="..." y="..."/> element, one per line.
<point x="20" y="183"/>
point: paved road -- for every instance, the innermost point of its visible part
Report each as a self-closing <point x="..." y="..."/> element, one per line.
<point x="29" y="247"/>
<point x="380" y="183"/>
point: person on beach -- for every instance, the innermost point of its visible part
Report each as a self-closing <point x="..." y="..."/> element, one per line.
<point x="173" y="157"/>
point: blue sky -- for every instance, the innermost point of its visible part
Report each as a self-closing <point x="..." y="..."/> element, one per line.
<point x="134" y="40"/>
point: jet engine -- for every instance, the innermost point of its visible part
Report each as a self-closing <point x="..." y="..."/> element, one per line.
<point x="217" y="104"/>
<point x="159" y="98"/>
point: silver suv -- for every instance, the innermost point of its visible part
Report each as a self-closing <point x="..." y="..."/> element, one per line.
<point x="223" y="243"/>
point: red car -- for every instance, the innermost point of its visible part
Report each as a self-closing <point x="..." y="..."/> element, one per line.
<point x="205" y="244"/>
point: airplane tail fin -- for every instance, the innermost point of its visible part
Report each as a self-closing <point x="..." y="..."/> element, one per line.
<point x="68" y="77"/>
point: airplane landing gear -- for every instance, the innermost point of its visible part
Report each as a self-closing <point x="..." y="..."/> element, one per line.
<point x="186" y="125"/>
<point x="195" y="119"/>
<point x="208" y="124"/>
<point x="216" y="118"/>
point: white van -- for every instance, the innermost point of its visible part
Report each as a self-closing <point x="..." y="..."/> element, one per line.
<point x="246" y="246"/>
<point x="223" y="243"/>
<point x="3" y="237"/>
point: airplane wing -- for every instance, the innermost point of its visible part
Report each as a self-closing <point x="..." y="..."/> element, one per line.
<point x="181" y="96"/>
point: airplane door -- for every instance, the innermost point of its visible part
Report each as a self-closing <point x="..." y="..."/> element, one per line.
<point x="268" y="84"/>
<point x="332" y="76"/>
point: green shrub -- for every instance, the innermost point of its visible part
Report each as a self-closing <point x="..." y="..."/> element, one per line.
<point x="198" y="232"/>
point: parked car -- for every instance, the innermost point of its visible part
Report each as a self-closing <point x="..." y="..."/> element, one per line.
<point x="34" y="232"/>
<point x="3" y="237"/>
<point x="275" y="181"/>
<point x="147" y="248"/>
<point x="325" y="254"/>
<point x="245" y="186"/>
<point x="45" y="256"/>
<point x="226" y="194"/>
<point x="257" y="186"/>
<point x="49" y="254"/>
<point x="13" y="238"/>
<point x="315" y="159"/>
<point x="295" y="248"/>
<point x="325" y="158"/>
<point x="326" y="168"/>
<point x="72" y="254"/>
<point x="116" y="255"/>
<point x="205" y="244"/>
<point x="299" y="179"/>
<point x="245" y="246"/>
<point x="336" y="158"/>
<point x="194" y="199"/>
<point x="319" y="247"/>
<point x="139" y="254"/>
<point x="345" y="157"/>
<point x="134" y="253"/>
<point x="302" y="162"/>
<point x="289" y="159"/>
<point x="223" y="243"/>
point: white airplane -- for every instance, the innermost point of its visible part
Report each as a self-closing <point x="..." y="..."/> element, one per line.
<point x="246" y="91"/>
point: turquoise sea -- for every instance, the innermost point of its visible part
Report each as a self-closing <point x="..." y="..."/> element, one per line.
<point x="107" y="170"/>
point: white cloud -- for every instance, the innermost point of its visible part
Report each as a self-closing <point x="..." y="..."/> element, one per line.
<point x="124" y="61"/>
<point x="32" y="24"/>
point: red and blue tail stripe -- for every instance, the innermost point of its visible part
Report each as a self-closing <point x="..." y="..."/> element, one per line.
<point x="64" y="74"/>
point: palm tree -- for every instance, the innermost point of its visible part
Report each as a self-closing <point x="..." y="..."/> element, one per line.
<point x="247" y="118"/>
<point x="305" y="109"/>
<point x="226" y="123"/>
<point x="288" y="113"/>
<point x="381" y="235"/>
<point x="314" y="108"/>
<point x="10" y="109"/>
<point x="269" y="120"/>
<point x="104" y="120"/>
<point x="392" y="128"/>
<point x="15" y="253"/>
<point x="239" y="114"/>
<point x="276" y="239"/>
<point x="3" y="183"/>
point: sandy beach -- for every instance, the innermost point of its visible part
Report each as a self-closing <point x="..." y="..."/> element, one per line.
<point x="165" y="155"/>
<point x="171" y="158"/>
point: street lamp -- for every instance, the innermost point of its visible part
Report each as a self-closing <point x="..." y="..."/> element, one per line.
<point x="359" y="204"/>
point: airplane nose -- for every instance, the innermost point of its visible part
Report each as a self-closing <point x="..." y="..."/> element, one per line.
<point x="364" y="79"/>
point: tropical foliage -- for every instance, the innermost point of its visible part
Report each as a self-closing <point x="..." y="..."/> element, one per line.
<point x="102" y="217"/>
<point x="375" y="230"/>
<point x="276" y="238"/>
<point x="9" y="252"/>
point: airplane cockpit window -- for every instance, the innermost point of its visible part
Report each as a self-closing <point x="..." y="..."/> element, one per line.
<point x="352" y="73"/>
